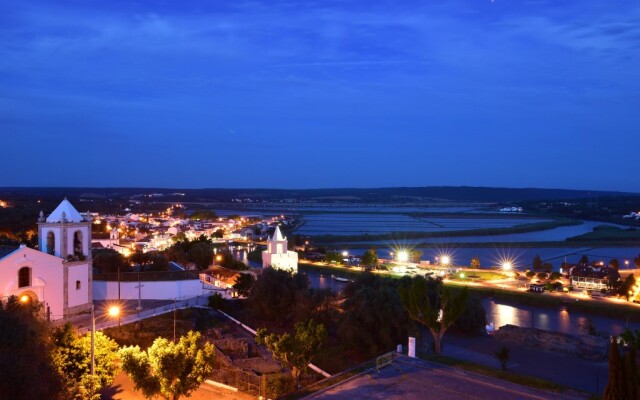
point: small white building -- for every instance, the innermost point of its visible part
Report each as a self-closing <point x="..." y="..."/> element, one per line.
<point x="277" y="256"/>
<point x="59" y="275"/>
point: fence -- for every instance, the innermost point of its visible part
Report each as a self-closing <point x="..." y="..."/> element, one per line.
<point x="179" y="304"/>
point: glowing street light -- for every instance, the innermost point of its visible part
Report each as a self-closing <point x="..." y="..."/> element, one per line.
<point x="507" y="266"/>
<point x="345" y="253"/>
<point x="445" y="260"/>
<point x="403" y="256"/>
<point x="24" y="298"/>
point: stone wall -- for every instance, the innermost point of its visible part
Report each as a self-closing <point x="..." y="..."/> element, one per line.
<point x="593" y="348"/>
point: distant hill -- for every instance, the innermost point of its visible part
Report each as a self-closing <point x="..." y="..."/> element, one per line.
<point x="373" y="195"/>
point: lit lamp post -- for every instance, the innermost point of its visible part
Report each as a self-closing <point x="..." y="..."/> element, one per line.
<point x="113" y="312"/>
<point x="445" y="260"/>
<point x="626" y="264"/>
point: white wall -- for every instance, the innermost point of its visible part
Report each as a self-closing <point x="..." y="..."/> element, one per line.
<point x="46" y="278"/>
<point x="161" y="290"/>
<point x="78" y="273"/>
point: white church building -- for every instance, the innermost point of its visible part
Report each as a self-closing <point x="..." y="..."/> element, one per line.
<point x="59" y="276"/>
<point x="277" y="256"/>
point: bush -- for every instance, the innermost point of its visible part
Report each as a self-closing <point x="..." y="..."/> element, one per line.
<point x="542" y="275"/>
<point x="555" y="276"/>
<point x="278" y="385"/>
<point x="530" y="274"/>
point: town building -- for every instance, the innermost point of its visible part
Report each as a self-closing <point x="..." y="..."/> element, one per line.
<point x="59" y="275"/>
<point x="277" y="255"/>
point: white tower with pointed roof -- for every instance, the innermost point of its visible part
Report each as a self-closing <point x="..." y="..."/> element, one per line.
<point x="277" y="255"/>
<point x="66" y="234"/>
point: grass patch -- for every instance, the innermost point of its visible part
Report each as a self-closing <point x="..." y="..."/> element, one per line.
<point x="509" y="376"/>
<point x="478" y="275"/>
<point x="608" y="233"/>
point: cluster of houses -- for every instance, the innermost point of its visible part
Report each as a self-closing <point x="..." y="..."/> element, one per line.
<point x="59" y="274"/>
<point x="632" y="215"/>
<point x="148" y="232"/>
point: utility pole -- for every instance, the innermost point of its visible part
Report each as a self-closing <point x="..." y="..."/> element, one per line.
<point x="175" y="301"/>
<point x="140" y="285"/>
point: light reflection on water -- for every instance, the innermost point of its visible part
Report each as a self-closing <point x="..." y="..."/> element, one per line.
<point x="559" y="320"/>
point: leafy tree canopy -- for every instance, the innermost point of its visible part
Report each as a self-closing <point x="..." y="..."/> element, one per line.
<point x="168" y="369"/>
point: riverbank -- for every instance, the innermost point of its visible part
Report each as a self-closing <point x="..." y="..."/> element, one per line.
<point x="393" y="236"/>
<point x="619" y="310"/>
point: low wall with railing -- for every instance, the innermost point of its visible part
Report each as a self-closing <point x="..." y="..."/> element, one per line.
<point x="149" y="290"/>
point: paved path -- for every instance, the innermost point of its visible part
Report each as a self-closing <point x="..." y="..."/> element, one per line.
<point x="415" y="379"/>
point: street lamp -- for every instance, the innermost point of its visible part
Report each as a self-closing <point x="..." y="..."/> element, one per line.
<point x="507" y="266"/>
<point x="114" y="311"/>
<point x="445" y="260"/>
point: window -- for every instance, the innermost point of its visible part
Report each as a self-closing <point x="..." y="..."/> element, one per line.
<point x="24" y="277"/>
<point x="51" y="243"/>
<point x="77" y="285"/>
<point x="77" y="243"/>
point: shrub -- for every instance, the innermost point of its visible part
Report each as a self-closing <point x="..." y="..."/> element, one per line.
<point x="542" y="275"/>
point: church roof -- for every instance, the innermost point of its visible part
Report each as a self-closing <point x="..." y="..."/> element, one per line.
<point x="69" y="211"/>
<point x="277" y="235"/>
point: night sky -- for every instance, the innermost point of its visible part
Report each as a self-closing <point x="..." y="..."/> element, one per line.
<point x="294" y="94"/>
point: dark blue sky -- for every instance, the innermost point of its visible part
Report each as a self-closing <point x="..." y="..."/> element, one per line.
<point x="296" y="94"/>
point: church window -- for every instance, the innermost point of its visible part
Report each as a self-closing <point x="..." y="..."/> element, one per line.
<point x="51" y="243"/>
<point x="77" y="243"/>
<point x="78" y="285"/>
<point x="24" y="277"/>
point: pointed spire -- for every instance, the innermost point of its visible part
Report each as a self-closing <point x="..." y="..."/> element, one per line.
<point x="277" y="235"/>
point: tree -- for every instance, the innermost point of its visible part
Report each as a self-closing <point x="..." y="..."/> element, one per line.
<point x="614" y="263"/>
<point x="217" y="234"/>
<point x="530" y="274"/>
<point x="201" y="254"/>
<point x="27" y="367"/>
<point x="244" y="283"/>
<point x="109" y="261"/>
<point x="333" y="257"/>
<point x="273" y="295"/>
<point x="503" y="356"/>
<point x="296" y="351"/>
<point x="415" y="255"/>
<point x="72" y="357"/>
<point x="615" y="385"/>
<point x="370" y="257"/>
<point x="474" y="318"/>
<point x="537" y="263"/>
<point x="625" y="287"/>
<point x="547" y="267"/>
<point x="584" y="260"/>
<point x="475" y="263"/>
<point x="168" y="369"/>
<point x="372" y="304"/>
<point x="636" y="262"/>
<point x="433" y="305"/>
